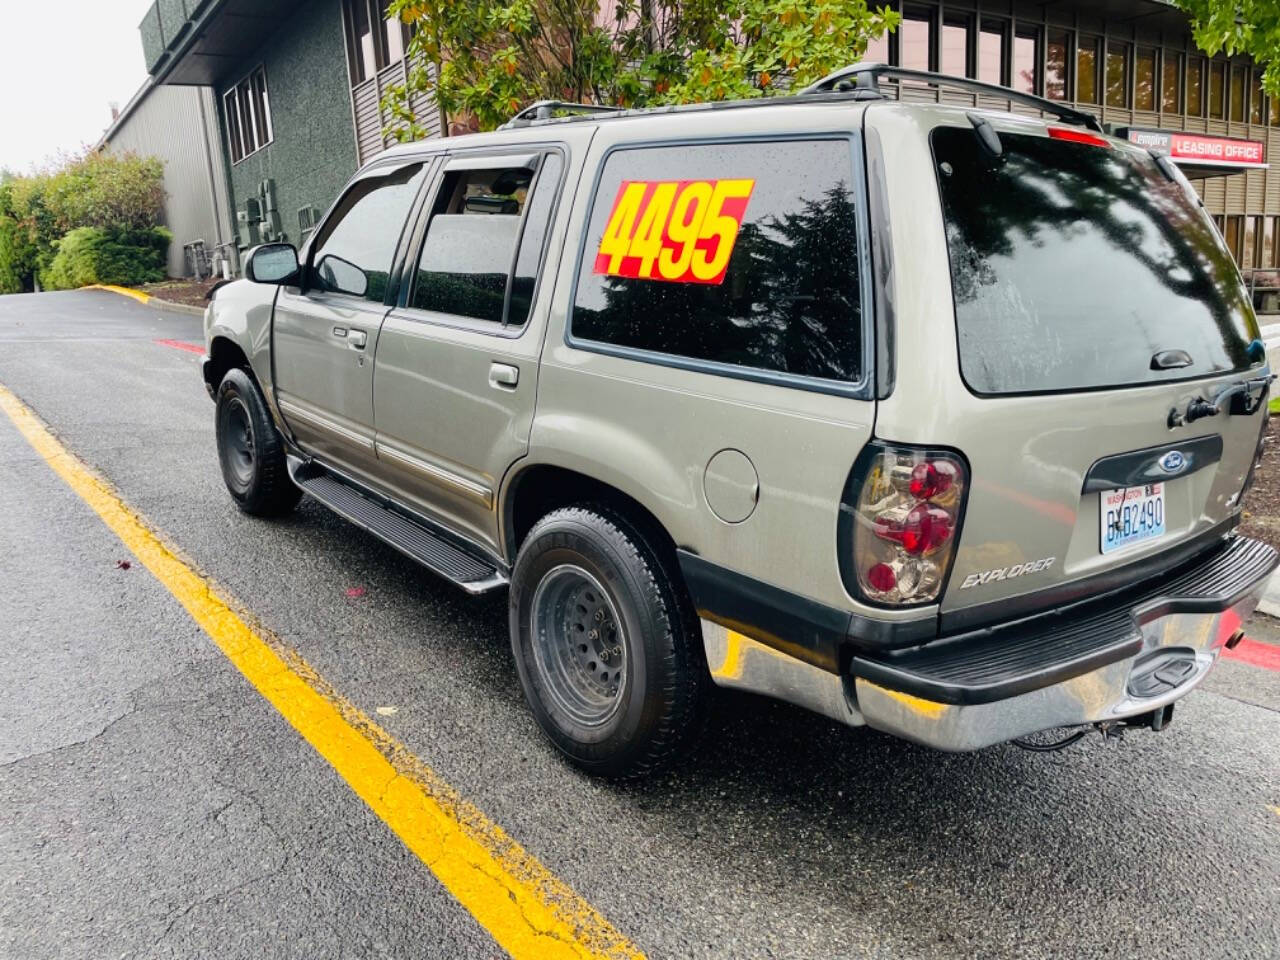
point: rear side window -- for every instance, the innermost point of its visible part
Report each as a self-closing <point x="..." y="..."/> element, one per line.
<point x="742" y="254"/>
<point x="484" y="242"/>
<point x="1073" y="265"/>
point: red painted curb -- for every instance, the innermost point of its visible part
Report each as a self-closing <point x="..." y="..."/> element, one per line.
<point x="179" y="345"/>
<point x="1265" y="655"/>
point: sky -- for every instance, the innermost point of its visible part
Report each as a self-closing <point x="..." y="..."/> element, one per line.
<point x="62" y="65"/>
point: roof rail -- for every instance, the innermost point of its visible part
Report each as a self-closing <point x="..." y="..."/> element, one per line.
<point x="866" y="76"/>
<point x="545" y="109"/>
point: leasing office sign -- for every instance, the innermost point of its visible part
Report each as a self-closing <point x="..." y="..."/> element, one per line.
<point x="1199" y="150"/>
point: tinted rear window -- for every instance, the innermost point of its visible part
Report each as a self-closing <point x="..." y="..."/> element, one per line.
<point x="786" y="300"/>
<point x="1072" y="265"/>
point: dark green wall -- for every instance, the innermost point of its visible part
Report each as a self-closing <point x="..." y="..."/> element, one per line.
<point x="314" y="151"/>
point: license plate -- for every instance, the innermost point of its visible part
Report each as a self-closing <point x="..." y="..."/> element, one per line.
<point x="1132" y="515"/>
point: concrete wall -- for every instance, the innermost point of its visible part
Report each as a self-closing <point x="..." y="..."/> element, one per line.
<point x="313" y="152"/>
<point x="180" y="126"/>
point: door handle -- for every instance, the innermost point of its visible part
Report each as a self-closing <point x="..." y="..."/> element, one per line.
<point x="356" y="339"/>
<point x="503" y="376"/>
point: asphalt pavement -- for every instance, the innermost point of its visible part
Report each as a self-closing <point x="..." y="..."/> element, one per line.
<point x="153" y="804"/>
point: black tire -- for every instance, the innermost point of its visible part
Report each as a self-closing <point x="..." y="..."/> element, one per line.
<point x="250" y="450"/>
<point x="662" y="665"/>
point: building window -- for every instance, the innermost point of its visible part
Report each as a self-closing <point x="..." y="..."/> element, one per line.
<point x="915" y="37"/>
<point x="1237" y="94"/>
<point x="991" y="52"/>
<point x="1249" y="248"/>
<point x="1232" y="234"/>
<point x="1144" y="80"/>
<point x="1217" y="89"/>
<point x="1170" y="82"/>
<point x="1274" y="111"/>
<point x="1087" y="62"/>
<point x="1255" y="98"/>
<point x="1056" y="61"/>
<point x="1026" y="60"/>
<point x="1195" y="88"/>
<point x="954" y="50"/>
<point x="248" y="110"/>
<point x="373" y="41"/>
<point x="1269" y="241"/>
<point x="1117" y="74"/>
<point x="877" y="49"/>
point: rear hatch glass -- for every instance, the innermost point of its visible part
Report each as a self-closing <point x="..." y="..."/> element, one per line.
<point x="1074" y="265"/>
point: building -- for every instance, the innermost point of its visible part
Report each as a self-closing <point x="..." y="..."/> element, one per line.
<point x="298" y="85"/>
<point x="158" y="122"/>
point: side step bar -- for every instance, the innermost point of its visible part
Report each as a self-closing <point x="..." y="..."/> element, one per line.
<point x="413" y="537"/>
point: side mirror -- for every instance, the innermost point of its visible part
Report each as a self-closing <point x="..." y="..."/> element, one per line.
<point x="341" y="276"/>
<point x="271" y="263"/>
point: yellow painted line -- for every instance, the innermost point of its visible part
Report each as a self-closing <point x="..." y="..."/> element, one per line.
<point x="531" y="913"/>
<point x="123" y="291"/>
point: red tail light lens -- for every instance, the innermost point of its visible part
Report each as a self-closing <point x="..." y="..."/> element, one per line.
<point x="906" y="517"/>
<point x="1077" y="136"/>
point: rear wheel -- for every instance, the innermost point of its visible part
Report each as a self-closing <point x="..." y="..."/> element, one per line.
<point x="250" y="450"/>
<point x="606" y="642"/>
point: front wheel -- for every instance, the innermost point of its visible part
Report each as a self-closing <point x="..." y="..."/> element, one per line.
<point x="250" y="450"/>
<point x="606" y="643"/>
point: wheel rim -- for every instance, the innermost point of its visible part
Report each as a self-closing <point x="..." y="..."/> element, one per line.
<point x="237" y="444"/>
<point x="579" y="645"/>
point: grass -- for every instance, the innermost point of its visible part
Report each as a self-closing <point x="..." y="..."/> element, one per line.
<point x="1274" y="405"/>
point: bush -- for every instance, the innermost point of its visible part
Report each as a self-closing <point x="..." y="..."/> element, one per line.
<point x="121" y="196"/>
<point x="96" y="255"/>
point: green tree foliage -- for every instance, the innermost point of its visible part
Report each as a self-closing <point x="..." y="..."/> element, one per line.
<point x="487" y="58"/>
<point x="120" y="195"/>
<point x="1239" y="26"/>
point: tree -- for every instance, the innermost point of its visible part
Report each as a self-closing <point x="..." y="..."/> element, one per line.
<point x="1239" y="26"/>
<point x="487" y="58"/>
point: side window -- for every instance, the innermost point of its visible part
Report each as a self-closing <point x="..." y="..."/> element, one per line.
<point x="484" y="243"/>
<point x="353" y="254"/>
<point x="738" y="254"/>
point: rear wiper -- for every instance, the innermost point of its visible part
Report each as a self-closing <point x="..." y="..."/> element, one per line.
<point x="987" y="135"/>
<point x="1241" y="398"/>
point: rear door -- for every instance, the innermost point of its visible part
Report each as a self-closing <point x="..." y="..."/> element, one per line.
<point x="325" y="334"/>
<point x="456" y="371"/>
<point x="1091" y="313"/>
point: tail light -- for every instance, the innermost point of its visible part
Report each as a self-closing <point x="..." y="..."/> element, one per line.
<point x="906" y="505"/>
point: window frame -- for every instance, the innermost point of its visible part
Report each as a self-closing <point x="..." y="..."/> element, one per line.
<point x="861" y="389"/>
<point x="246" y="126"/>
<point x="421" y="219"/>
<point x="382" y="168"/>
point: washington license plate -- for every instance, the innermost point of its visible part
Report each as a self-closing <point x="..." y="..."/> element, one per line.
<point x="1132" y="515"/>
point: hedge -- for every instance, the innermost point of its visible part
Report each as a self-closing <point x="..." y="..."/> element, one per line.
<point x="95" y="255"/>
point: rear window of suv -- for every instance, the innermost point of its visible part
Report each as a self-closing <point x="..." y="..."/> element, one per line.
<point x="736" y="256"/>
<point x="1073" y="265"/>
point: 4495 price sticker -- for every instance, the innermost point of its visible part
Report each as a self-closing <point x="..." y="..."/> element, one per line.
<point x="681" y="231"/>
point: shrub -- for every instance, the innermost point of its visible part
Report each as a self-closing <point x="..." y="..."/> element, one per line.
<point x="119" y="195"/>
<point x="96" y="255"/>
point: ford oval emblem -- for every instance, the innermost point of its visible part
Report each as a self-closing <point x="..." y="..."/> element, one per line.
<point x="1173" y="461"/>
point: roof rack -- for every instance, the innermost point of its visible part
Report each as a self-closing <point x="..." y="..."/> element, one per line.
<point x="866" y="76"/>
<point x="546" y="109"/>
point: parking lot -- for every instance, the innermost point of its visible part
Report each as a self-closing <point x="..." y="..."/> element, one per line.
<point x="165" y="794"/>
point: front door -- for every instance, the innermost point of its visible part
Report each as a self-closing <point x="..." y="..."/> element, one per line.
<point x="326" y="331"/>
<point x="457" y="364"/>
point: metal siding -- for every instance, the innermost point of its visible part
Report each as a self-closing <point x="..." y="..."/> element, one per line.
<point x="166" y="124"/>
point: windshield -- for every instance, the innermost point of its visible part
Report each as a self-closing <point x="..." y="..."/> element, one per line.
<point x="1074" y="265"/>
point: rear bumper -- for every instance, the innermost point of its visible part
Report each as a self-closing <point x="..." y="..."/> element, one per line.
<point x="1125" y="657"/>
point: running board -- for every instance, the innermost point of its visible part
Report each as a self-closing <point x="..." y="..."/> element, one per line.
<point x="412" y="537"/>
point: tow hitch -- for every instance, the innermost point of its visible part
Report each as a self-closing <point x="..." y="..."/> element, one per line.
<point x="1156" y="721"/>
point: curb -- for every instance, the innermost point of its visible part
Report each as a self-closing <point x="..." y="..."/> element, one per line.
<point x="147" y="300"/>
<point x="1270" y="602"/>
